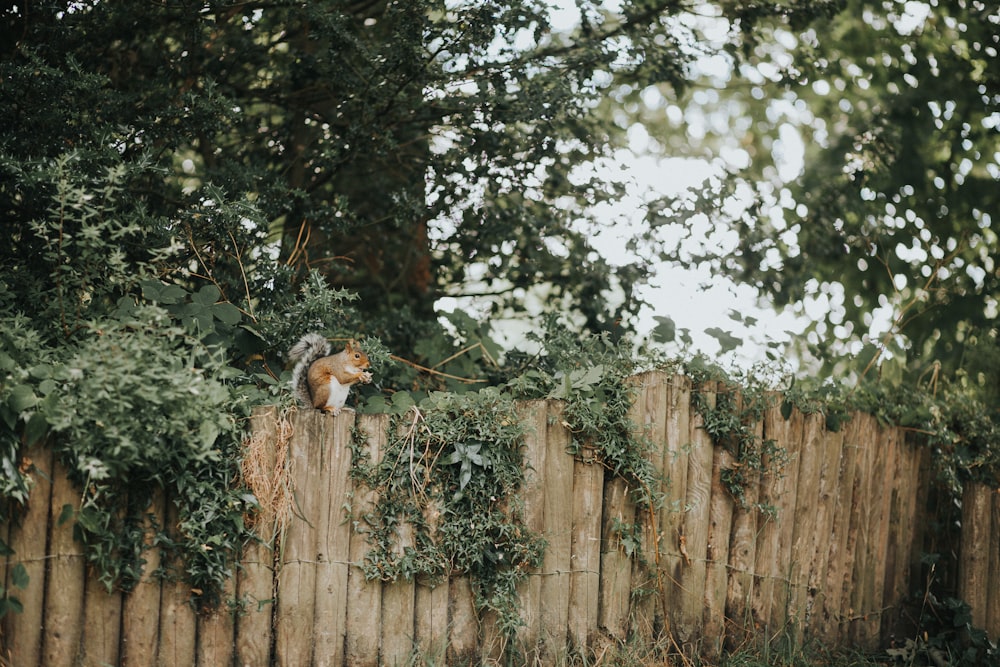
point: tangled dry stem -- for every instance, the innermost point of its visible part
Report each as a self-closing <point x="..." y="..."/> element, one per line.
<point x="266" y="473"/>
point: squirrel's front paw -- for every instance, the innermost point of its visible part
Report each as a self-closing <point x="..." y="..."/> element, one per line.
<point x="366" y="377"/>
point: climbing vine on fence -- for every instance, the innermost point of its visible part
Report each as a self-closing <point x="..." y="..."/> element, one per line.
<point x="731" y="420"/>
<point x="448" y="487"/>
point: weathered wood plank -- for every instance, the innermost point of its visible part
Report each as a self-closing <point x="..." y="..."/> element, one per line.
<point x="398" y="611"/>
<point x="973" y="561"/>
<point x="804" y="523"/>
<point x="881" y="493"/>
<point x="333" y="538"/>
<point x="772" y="484"/>
<point x="831" y="449"/>
<point x="297" y="574"/>
<point x="694" y="536"/>
<point x="102" y="621"/>
<point x="868" y="507"/>
<point x="217" y="632"/>
<point x="492" y="641"/>
<point x="141" y="606"/>
<point x="178" y="624"/>
<point x="781" y="619"/>
<point x="618" y="513"/>
<point x="649" y="415"/>
<point x="364" y="598"/>
<point x="398" y="626"/>
<point x="839" y="556"/>
<point x="901" y="508"/>
<point x="673" y="558"/>
<point x="742" y="552"/>
<point x="557" y="520"/>
<point x="534" y="415"/>
<point x="255" y="580"/>
<point x="992" y="624"/>
<point x="720" y="525"/>
<point x="585" y="547"/>
<point x="66" y="576"/>
<point x="463" y="630"/>
<point x="23" y="632"/>
<point x="431" y="622"/>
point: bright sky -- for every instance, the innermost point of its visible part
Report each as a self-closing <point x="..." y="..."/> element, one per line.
<point x="695" y="300"/>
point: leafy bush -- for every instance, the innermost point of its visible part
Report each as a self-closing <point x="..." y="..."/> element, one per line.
<point x="452" y="472"/>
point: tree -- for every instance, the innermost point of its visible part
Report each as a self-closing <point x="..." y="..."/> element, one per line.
<point x="889" y="224"/>
<point x="398" y="148"/>
<point x="186" y="187"/>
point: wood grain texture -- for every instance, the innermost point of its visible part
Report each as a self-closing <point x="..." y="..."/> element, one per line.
<point x="64" y="599"/>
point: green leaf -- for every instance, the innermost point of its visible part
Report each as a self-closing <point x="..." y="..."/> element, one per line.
<point x="10" y="604"/>
<point x="19" y="576"/>
<point x="727" y="341"/>
<point x="36" y="428"/>
<point x="835" y="420"/>
<point x="401" y="402"/>
<point x="207" y="295"/>
<point x="66" y="514"/>
<point x="21" y="398"/>
<point x="154" y="290"/>
<point x="665" y="331"/>
<point x="227" y="313"/>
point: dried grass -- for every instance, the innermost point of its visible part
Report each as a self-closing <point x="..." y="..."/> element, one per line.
<point x="266" y="472"/>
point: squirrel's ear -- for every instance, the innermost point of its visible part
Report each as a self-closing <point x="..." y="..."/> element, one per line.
<point x="352" y="344"/>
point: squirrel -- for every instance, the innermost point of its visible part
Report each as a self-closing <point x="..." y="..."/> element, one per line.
<point x="322" y="380"/>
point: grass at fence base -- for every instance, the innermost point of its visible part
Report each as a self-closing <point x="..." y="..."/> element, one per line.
<point x="616" y="654"/>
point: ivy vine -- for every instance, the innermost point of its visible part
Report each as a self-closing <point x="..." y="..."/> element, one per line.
<point x="452" y="471"/>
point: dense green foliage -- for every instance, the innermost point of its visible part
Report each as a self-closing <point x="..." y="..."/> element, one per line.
<point x="884" y="234"/>
<point x="452" y="474"/>
<point x="187" y="187"/>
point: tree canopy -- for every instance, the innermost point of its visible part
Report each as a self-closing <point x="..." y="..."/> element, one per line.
<point x="187" y="187"/>
<point x="888" y="228"/>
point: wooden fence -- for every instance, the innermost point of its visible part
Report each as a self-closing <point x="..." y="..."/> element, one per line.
<point x="979" y="556"/>
<point x="832" y="562"/>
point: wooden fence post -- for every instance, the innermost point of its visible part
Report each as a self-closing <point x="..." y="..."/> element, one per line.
<point x="294" y="637"/>
<point x="557" y="520"/>
<point x="694" y="536"/>
<point x="177" y="617"/>
<point x="535" y="417"/>
<point x="974" y="556"/>
<point x="677" y="447"/>
<point x="803" y="529"/>
<point x="364" y="607"/>
<point x="992" y="624"/>
<point x="23" y="632"/>
<point x="720" y="525"/>
<point x="64" y="588"/>
<point x="102" y="621"/>
<point x="333" y="541"/>
<point x="585" y="549"/>
<point x="840" y="555"/>
<point x="255" y="579"/>
<point x="648" y="414"/>
<point x="742" y="551"/>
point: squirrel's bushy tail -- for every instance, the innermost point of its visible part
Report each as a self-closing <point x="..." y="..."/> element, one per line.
<point x="310" y="347"/>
